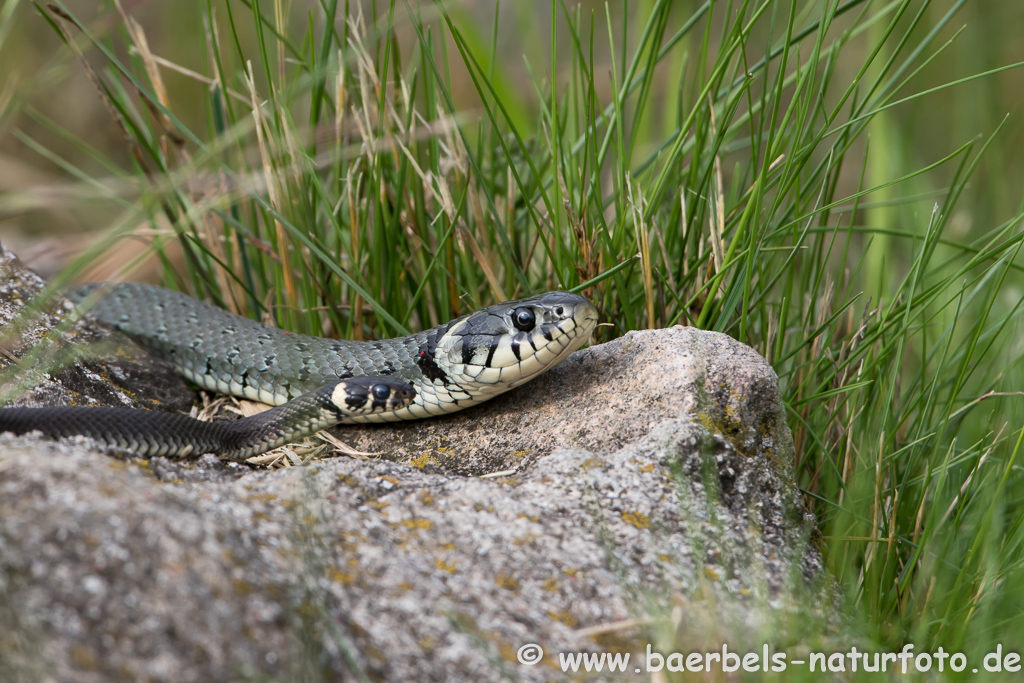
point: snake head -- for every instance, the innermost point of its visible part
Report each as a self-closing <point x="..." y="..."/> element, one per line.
<point x="367" y="395"/>
<point x="505" y="345"/>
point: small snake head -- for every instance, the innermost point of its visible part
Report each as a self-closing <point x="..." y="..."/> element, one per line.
<point x="367" y="395"/>
<point x="503" y="346"/>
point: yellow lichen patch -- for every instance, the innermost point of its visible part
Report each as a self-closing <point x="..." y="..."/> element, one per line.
<point x="728" y="421"/>
<point x="445" y="566"/>
<point x="564" y="617"/>
<point x="591" y="463"/>
<point x="619" y="641"/>
<point x="710" y="574"/>
<point x="374" y="653"/>
<point x="532" y="518"/>
<point x="507" y="582"/>
<point x="520" y="453"/>
<point x="426" y="498"/>
<point x="649" y="467"/>
<point x="448" y="547"/>
<point x="550" y="585"/>
<point x="420" y="523"/>
<point x="341" y="576"/>
<point x="348" y="480"/>
<point x="637" y="519"/>
<point x="427" y="643"/>
<point x="508" y="652"/>
<point x="348" y="548"/>
<point x="108" y="490"/>
<point x="379" y="504"/>
<point x="84" y="658"/>
<point x="526" y="539"/>
<point x="388" y="478"/>
<point x="422" y="461"/>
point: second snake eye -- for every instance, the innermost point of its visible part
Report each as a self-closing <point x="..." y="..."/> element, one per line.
<point x="380" y="392"/>
<point x="524" y="319"/>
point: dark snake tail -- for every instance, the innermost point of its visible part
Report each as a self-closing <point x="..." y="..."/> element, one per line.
<point x="152" y="433"/>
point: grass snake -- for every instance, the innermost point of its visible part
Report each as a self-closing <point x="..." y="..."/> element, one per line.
<point x="314" y="382"/>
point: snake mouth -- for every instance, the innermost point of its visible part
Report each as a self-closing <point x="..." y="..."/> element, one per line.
<point x="583" y="319"/>
<point x="588" y="318"/>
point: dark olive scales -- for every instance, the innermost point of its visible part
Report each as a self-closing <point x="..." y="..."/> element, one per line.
<point x="152" y="433"/>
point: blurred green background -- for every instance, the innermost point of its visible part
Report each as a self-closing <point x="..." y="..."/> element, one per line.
<point x="36" y="69"/>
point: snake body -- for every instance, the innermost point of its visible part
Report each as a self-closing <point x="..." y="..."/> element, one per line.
<point x="449" y="367"/>
<point x="152" y="433"/>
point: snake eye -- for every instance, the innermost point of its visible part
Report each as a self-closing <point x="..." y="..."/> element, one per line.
<point x="524" y="319"/>
<point x="381" y="392"/>
<point x="558" y="311"/>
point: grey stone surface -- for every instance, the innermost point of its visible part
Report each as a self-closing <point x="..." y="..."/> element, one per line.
<point x="651" y="474"/>
<point x="600" y="399"/>
<point x="113" y="370"/>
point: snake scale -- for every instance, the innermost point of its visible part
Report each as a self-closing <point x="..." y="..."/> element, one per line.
<point x="314" y="382"/>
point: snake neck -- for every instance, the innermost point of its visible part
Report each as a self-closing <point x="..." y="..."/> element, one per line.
<point x="450" y="365"/>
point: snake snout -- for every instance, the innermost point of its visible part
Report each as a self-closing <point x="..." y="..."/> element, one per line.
<point x="573" y="314"/>
<point x="585" y="314"/>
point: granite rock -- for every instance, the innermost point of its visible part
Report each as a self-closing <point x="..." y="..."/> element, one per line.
<point x="82" y="364"/>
